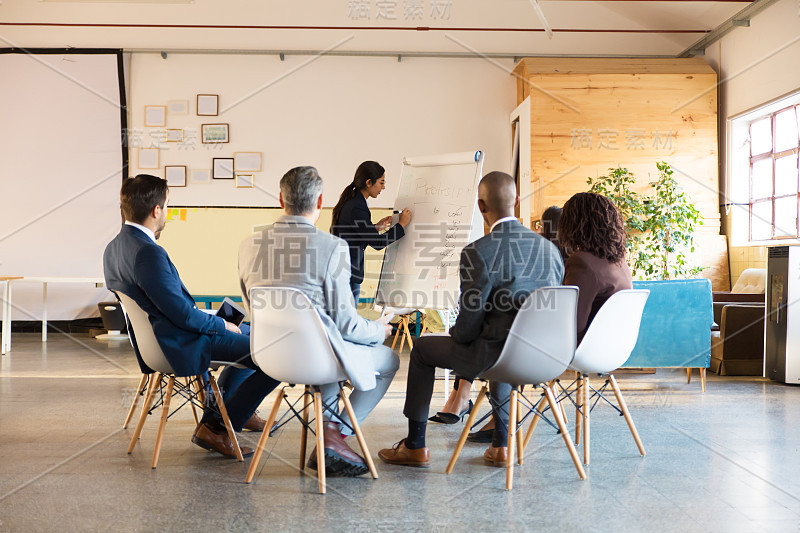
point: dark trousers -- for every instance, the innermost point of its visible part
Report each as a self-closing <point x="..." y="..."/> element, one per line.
<point x="465" y="360"/>
<point x="231" y="377"/>
<point x="242" y="401"/>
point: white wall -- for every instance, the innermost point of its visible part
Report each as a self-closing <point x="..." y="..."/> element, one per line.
<point x="756" y="65"/>
<point x="332" y="113"/>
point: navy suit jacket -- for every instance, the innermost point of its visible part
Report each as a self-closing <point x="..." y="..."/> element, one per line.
<point x="355" y="226"/>
<point x="141" y="269"/>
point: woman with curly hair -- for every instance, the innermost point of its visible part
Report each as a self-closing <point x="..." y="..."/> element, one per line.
<point x="593" y="230"/>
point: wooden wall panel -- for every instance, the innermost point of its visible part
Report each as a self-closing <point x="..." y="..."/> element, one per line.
<point x="590" y="115"/>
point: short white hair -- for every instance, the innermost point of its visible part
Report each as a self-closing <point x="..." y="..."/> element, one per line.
<point x="301" y="187"/>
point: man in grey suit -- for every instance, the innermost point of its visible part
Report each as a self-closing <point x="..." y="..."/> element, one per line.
<point x="294" y="253"/>
<point x="498" y="272"/>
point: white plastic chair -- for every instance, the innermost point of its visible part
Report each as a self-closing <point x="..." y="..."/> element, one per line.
<point x="154" y="358"/>
<point x="606" y="346"/>
<point x="289" y="343"/>
<point x="539" y="348"/>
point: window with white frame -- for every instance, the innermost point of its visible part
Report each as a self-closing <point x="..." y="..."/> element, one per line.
<point x="774" y="175"/>
<point x="764" y="174"/>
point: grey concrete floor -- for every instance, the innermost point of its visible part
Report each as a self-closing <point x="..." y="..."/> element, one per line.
<point x="726" y="460"/>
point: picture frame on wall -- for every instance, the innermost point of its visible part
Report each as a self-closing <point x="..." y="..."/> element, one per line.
<point x="148" y="158"/>
<point x="155" y="116"/>
<point x="174" y="135"/>
<point x="175" y="175"/>
<point x="178" y="107"/>
<point x="214" y="133"/>
<point x="207" y="105"/>
<point x="247" y="162"/>
<point x="201" y="175"/>
<point x="222" y="168"/>
<point x="245" y="181"/>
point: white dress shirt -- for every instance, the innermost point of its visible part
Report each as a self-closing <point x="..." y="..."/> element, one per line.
<point x="504" y="219"/>
<point x="146" y="231"/>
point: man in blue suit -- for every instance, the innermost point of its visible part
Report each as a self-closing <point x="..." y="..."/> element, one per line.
<point x="136" y="266"/>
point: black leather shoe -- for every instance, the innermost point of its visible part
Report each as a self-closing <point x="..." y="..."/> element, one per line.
<point x="340" y="459"/>
<point x="483" y="436"/>
<point x="336" y="465"/>
<point x="450" y="418"/>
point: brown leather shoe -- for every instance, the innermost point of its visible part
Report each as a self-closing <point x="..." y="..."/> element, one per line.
<point x="340" y="459"/>
<point x="205" y="437"/>
<point x="496" y="456"/>
<point x="399" y="454"/>
<point x="255" y="423"/>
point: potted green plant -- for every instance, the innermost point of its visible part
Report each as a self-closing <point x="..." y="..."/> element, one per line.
<point x="660" y="226"/>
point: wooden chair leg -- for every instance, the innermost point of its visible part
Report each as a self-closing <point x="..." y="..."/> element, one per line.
<point x="512" y="436"/>
<point x="537" y="406"/>
<point x="224" y="413"/>
<point x="465" y="432"/>
<point x="163" y="423"/>
<point x="688" y="375"/>
<point x="518" y="434"/>
<point x="189" y="384"/>
<point x="139" y="391"/>
<point x="357" y="429"/>
<point x="703" y="379"/>
<point x="578" y="407"/>
<point x="626" y="414"/>
<point x="201" y="390"/>
<point x="262" y="442"/>
<point x="587" y="411"/>
<point x="155" y="383"/>
<point x="573" y="453"/>
<point x="397" y="334"/>
<point x="320" y="442"/>
<point x="304" y="430"/>
<point x="402" y="328"/>
<point x="409" y="337"/>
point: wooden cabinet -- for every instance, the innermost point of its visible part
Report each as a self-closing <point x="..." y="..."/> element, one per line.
<point x="592" y="114"/>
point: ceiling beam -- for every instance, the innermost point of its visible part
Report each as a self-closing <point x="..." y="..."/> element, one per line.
<point x="740" y="19"/>
<point x="345" y="28"/>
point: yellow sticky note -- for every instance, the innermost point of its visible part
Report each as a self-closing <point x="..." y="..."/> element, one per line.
<point x="169" y="214"/>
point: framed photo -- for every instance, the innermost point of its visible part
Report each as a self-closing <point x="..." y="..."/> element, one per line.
<point x="175" y="175"/>
<point x="214" y="133"/>
<point x="247" y="162"/>
<point x="178" y="107"/>
<point x="148" y="158"/>
<point x="155" y="116"/>
<point x="244" y="181"/>
<point x="174" y="136"/>
<point x="201" y="175"/>
<point x="222" y="168"/>
<point x="207" y="105"/>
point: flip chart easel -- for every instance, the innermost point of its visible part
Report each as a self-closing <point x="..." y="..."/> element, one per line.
<point x="420" y="271"/>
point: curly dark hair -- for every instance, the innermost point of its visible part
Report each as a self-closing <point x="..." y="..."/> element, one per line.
<point x="591" y="223"/>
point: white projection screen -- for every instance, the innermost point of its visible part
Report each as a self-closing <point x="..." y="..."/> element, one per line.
<point x="61" y="167"/>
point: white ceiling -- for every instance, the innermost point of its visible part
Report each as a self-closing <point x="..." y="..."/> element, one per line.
<point x="610" y="23"/>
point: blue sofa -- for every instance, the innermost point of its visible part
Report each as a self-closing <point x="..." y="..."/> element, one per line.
<point x="676" y="325"/>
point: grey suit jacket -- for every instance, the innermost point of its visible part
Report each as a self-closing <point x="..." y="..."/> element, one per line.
<point x="498" y="272"/>
<point x="294" y="253"/>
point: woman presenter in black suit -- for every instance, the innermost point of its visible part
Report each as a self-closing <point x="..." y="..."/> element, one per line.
<point x="352" y="220"/>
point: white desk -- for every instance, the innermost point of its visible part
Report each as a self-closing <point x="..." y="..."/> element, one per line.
<point x="5" y="336"/>
<point x="44" y="280"/>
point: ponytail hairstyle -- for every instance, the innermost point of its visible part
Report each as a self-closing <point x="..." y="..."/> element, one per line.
<point x="368" y="171"/>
